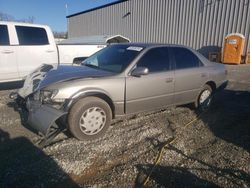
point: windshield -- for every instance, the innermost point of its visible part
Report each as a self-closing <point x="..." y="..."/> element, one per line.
<point x="113" y="58"/>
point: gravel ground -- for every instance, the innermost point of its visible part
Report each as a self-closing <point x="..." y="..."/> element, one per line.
<point x="212" y="151"/>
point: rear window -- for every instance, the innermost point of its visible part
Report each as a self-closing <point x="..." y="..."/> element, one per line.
<point x="31" y="35"/>
<point x="184" y="58"/>
<point x="4" y="35"/>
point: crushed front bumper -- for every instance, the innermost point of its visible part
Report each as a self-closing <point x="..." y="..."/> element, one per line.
<point x="43" y="117"/>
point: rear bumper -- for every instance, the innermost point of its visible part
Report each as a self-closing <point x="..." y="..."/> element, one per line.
<point x="42" y="117"/>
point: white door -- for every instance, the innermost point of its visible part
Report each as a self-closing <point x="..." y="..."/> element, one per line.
<point x="8" y="63"/>
<point x="34" y="49"/>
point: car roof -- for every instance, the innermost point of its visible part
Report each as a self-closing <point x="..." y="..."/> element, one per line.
<point x="153" y="45"/>
<point x="149" y="45"/>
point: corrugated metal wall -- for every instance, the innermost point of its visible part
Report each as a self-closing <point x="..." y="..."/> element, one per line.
<point x="201" y="24"/>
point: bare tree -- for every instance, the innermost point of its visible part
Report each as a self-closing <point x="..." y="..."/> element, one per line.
<point x="62" y="35"/>
<point x="8" y="17"/>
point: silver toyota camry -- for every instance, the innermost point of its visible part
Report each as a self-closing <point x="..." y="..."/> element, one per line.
<point x="119" y="80"/>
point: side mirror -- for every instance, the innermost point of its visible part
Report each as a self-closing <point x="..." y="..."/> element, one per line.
<point x="78" y="60"/>
<point x="139" y="71"/>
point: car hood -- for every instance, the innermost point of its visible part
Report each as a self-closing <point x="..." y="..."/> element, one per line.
<point x="50" y="74"/>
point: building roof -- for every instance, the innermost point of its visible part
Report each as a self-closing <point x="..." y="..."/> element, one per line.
<point x="100" y="7"/>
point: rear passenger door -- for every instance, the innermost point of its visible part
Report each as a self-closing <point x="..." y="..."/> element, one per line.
<point x="8" y="64"/>
<point x="154" y="90"/>
<point x="190" y="75"/>
<point x="34" y="49"/>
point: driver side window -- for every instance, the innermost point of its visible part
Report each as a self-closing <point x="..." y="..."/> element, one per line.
<point x="156" y="60"/>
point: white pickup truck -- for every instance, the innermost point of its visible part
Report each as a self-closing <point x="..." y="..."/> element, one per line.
<point x="24" y="47"/>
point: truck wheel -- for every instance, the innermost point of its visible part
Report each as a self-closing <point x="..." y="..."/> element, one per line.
<point x="89" y="118"/>
<point x="204" y="98"/>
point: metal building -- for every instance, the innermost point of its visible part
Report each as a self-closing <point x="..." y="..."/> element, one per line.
<point x="201" y="24"/>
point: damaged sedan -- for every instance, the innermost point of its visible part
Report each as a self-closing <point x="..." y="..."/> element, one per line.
<point x="119" y="80"/>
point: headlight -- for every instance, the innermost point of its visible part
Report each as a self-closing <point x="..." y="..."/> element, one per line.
<point x="46" y="95"/>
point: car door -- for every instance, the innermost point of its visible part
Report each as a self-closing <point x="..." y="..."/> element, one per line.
<point x="190" y="75"/>
<point x="155" y="89"/>
<point x="34" y="49"/>
<point x="8" y="64"/>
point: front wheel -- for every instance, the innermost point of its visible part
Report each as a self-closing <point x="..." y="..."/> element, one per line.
<point x="89" y="118"/>
<point x="204" y="99"/>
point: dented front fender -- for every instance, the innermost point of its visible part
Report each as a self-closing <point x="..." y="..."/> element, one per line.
<point x="42" y="117"/>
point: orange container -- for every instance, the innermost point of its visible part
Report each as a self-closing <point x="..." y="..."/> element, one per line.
<point x="233" y="48"/>
<point x="248" y="58"/>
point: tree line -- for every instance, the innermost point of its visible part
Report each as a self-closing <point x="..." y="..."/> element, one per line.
<point x="8" y="17"/>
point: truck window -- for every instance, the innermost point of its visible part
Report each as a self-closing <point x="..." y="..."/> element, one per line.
<point x="4" y="35"/>
<point x="31" y="35"/>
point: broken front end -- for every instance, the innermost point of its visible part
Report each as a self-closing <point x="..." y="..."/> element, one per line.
<point x="43" y="113"/>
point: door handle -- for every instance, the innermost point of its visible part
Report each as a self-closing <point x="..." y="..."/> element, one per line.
<point x="169" y="80"/>
<point x="50" y="51"/>
<point x="7" y="51"/>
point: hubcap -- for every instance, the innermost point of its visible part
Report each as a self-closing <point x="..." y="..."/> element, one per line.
<point x="205" y="98"/>
<point x="92" y="121"/>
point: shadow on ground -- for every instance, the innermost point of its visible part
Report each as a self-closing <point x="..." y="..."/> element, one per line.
<point x="229" y="120"/>
<point x="229" y="117"/>
<point x="29" y="166"/>
<point x="167" y="176"/>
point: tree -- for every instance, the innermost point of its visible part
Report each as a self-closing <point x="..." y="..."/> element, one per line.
<point x="8" y="17"/>
<point x="62" y="35"/>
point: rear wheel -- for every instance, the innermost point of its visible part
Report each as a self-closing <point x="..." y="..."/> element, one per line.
<point x="89" y="118"/>
<point x="204" y="98"/>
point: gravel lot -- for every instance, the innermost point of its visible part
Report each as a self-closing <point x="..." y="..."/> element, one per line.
<point x="213" y="151"/>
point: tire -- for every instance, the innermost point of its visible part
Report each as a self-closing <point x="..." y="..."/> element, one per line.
<point x="204" y="99"/>
<point x="89" y="118"/>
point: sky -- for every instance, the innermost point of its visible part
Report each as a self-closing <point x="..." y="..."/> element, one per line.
<point x="49" y="12"/>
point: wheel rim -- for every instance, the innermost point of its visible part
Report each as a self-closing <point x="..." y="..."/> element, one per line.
<point x="92" y="121"/>
<point x="205" y="98"/>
